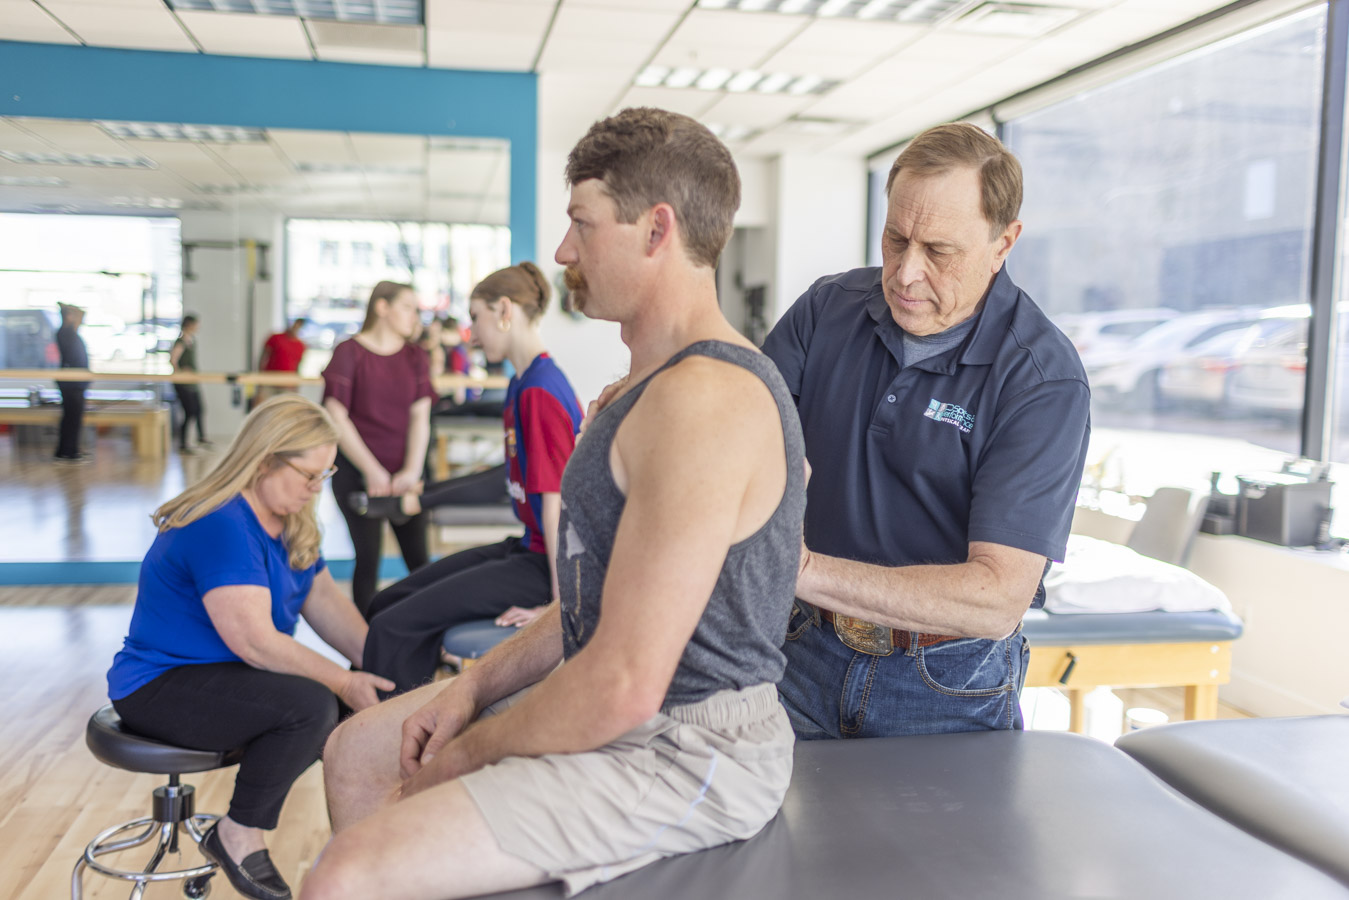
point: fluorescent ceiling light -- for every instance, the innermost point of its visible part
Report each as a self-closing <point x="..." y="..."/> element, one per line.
<point x="712" y="79"/>
<point x="165" y="131"/>
<point x="651" y="76"/>
<point x="682" y="77"/>
<point x="743" y="81"/>
<point x="873" y="9"/>
<point x="93" y="160"/>
<point x="807" y="84"/>
<point x="731" y="132"/>
<point x="383" y="12"/>
<point x="923" y="12"/>
<point x="793" y="6"/>
<point x="832" y="7"/>
<point x="1025" y="20"/>
<point x="147" y="202"/>
<point x="32" y="181"/>
<point x="774" y="83"/>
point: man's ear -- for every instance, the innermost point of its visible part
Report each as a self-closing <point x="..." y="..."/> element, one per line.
<point x="1006" y="241"/>
<point x="662" y="227"/>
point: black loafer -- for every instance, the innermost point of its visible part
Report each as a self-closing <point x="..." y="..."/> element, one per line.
<point x="255" y="877"/>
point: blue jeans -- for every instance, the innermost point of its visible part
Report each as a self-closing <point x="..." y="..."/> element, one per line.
<point x="833" y="691"/>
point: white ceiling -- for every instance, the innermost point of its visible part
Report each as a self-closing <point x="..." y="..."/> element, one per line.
<point x="894" y="80"/>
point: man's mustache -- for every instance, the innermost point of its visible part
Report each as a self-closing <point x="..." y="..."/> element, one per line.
<point x="573" y="279"/>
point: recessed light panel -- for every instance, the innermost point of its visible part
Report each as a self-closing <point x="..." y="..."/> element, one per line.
<point x="94" y="160"/>
<point x="382" y="12"/>
<point x="167" y="131"/>
<point x="735" y="82"/>
<point x="919" y="12"/>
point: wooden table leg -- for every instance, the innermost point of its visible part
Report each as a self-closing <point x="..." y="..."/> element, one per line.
<point x="1201" y="701"/>
<point x="1077" y="710"/>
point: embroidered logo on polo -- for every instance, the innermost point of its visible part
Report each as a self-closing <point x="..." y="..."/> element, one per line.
<point x="950" y="414"/>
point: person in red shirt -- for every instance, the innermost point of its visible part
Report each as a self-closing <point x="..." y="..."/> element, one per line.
<point x="281" y="352"/>
<point x="377" y="388"/>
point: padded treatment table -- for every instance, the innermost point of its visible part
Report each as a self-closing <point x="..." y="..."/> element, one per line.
<point x="1283" y="780"/>
<point x="1006" y="815"/>
<point x="471" y="640"/>
<point x="1077" y="652"/>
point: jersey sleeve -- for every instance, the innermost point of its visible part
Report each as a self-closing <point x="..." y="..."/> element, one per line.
<point x="222" y="552"/>
<point x="548" y="434"/>
<point x="1025" y="485"/>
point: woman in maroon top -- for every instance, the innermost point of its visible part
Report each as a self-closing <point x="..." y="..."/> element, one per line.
<point x="377" y="388"/>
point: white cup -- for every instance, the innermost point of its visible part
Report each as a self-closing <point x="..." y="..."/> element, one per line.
<point x="1144" y="717"/>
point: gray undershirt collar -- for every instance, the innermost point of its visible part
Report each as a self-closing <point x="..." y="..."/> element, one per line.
<point x="917" y="349"/>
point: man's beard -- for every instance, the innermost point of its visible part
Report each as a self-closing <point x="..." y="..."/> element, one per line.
<point x="576" y="285"/>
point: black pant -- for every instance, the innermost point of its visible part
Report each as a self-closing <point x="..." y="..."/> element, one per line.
<point x="367" y="536"/>
<point x="282" y="720"/>
<point x="189" y="395"/>
<point x="408" y="618"/>
<point x="479" y="489"/>
<point x="72" y="418"/>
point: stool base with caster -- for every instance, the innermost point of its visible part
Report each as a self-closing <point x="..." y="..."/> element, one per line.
<point x="174" y="808"/>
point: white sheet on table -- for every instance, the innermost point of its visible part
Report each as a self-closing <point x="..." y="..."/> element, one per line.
<point x="1100" y="577"/>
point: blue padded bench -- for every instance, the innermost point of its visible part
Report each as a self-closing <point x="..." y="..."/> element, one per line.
<point x="1077" y="652"/>
<point x="472" y="640"/>
<point x="1010" y="815"/>
<point x="1285" y="781"/>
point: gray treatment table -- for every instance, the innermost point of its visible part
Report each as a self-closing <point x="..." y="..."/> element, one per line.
<point x="1285" y="780"/>
<point x="1004" y="815"/>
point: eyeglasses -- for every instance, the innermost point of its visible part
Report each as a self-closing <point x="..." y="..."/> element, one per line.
<point x="315" y="478"/>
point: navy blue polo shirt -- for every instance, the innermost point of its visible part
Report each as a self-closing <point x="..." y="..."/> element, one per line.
<point x="984" y="442"/>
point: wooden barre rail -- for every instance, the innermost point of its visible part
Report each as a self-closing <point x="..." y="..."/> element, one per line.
<point x="442" y="384"/>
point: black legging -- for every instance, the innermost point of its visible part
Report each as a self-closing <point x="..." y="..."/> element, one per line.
<point x="282" y="720"/>
<point x="189" y="395"/>
<point x="72" y="418"/>
<point x="479" y="489"/>
<point x="408" y="618"/>
<point x="367" y="536"/>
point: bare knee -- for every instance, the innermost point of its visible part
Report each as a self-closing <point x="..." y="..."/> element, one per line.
<point x="338" y="873"/>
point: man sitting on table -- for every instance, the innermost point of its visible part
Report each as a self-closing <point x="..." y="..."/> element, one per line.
<point x="661" y="733"/>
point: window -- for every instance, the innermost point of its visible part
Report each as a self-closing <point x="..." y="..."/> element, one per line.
<point x="1168" y="231"/>
<point x="329" y="254"/>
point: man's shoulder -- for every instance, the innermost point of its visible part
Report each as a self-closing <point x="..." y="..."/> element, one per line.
<point x="855" y="285"/>
<point x="1037" y="345"/>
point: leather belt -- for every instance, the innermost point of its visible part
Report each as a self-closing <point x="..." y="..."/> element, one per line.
<point x="898" y="639"/>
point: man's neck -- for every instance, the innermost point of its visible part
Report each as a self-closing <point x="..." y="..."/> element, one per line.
<point x="681" y="312"/>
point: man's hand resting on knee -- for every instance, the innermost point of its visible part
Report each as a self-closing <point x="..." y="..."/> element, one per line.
<point x="429" y="729"/>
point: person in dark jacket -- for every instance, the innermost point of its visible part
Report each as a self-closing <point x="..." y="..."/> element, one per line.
<point x="74" y="355"/>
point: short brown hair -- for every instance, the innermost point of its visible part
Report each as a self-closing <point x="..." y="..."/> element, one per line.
<point x="386" y="291"/>
<point x="962" y="145"/>
<point x="524" y="284"/>
<point x="647" y="156"/>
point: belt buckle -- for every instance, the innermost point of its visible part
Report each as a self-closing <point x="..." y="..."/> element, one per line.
<point x="864" y="636"/>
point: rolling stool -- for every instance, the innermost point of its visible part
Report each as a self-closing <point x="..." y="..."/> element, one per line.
<point x="174" y="805"/>
<point x="472" y="640"/>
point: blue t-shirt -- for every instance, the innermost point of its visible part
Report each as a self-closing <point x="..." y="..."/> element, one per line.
<point x="170" y="626"/>
<point x="982" y="442"/>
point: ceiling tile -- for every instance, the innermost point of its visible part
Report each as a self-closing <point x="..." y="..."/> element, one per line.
<point x="142" y="26"/>
<point x="690" y="103"/>
<point x="665" y="5"/>
<point x="186" y="160"/>
<point x="259" y="163"/>
<point x="24" y="20"/>
<point x="233" y="34"/>
<point x="753" y="110"/>
<point x="632" y="24"/>
<point x="389" y="149"/>
<point x="489" y="50"/>
<point x="17" y="137"/>
<point x="764" y="33"/>
<point x="324" y="147"/>
<point x="489" y="15"/>
<point x="76" y="136"/>
<point x="832" y="66"/>
<point x="395" y="45"/>
<point x="865" y="39"/>
<point x="460" y="172"/>
<point x="572" y="53"/>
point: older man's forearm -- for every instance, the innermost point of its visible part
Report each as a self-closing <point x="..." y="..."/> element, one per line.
<point x="968" y="599"/>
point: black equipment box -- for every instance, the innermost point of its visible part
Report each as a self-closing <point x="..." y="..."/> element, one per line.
<point x="1281" y="509"/>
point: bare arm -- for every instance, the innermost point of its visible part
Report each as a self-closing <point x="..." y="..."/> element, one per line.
<point x="242" y="614"/>
<point x="985" y="596"/>
<point x="689" y="453"/>
<point x="354" y="449"/>
<point x="335" y="618"/>
<point x="414" y="457"/>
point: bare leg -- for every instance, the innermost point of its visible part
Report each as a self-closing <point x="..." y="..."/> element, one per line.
<point x="432" y="846"/>
<point x="360" y="761"/>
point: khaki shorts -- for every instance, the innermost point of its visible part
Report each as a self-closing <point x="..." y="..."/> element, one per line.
<point x="689" y="778"/>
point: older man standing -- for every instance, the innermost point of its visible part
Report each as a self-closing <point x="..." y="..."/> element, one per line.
<point x="946" y="420"/>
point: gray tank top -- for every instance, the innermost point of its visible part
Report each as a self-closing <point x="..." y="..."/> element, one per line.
<point x="738" y="641"/>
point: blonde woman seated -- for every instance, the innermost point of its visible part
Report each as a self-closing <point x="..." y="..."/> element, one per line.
<point x="211" y="662"/>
